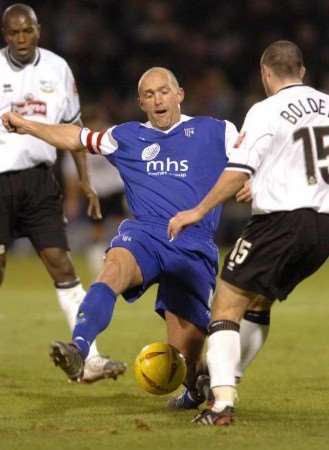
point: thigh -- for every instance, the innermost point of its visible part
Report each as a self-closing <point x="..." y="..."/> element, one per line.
<point x="138" y="242"/>
<point x="185" y="302"/>
<point x="188" y="281"/>
<point x="121" y="270"/>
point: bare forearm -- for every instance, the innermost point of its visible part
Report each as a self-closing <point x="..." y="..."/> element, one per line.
<point x="64" y="137"/>
<point x="226" y="187"/>
<point x="80" y="161"/>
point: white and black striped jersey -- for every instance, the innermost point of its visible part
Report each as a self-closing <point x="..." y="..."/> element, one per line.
<point x="43" y="90"/>
<point x="284" y="144"/>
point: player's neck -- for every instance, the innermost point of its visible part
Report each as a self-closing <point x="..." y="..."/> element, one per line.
<point x="19" y="63"/>
<point x="285" y="84"/>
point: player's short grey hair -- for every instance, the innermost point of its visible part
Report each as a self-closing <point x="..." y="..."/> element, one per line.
<point x="284" y="58"/>
<point x="168" y="72"/>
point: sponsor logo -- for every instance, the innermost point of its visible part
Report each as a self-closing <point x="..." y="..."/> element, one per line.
<point x="150" y="152"/>
<point x="162" y="167"/>
<point x="167" y="167"/>
<point x="30" y="107"/>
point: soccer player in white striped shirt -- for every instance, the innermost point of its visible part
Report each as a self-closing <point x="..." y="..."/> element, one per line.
<point x="283" y="146"/>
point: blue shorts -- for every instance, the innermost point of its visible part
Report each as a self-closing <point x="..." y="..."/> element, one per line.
<point x="185" y="268"/>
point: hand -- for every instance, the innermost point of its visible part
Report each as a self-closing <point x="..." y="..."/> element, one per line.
<point x="245" y="193"/>
<point x="94" y="208"/>
<point x="181" y="220"/>
<point x="13" y="122"/>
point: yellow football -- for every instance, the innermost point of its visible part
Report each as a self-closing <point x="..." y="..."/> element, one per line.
<point x="160" y="368"/>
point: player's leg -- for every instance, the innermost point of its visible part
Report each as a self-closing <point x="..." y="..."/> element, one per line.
<point x="70" y="294"/>
<point x="224" y="351"/>
<point x="40" y="218"/>
<point x="189" y="340"/>
<point x="254" y="329"/>
<point x="183" y="299"/>
<point x="120" y="272"/>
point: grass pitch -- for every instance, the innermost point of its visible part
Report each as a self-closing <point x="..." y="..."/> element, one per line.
<point x="284" y="398"/>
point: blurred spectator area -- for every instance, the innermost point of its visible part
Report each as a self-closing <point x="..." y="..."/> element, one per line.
<point x="212" y="46"/>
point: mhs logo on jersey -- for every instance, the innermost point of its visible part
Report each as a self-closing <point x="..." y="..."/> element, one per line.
<point x="30" y="107"/>
<point x="158" y="167"/>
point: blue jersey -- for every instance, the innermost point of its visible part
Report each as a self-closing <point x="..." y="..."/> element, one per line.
<point x="166" y="172"/>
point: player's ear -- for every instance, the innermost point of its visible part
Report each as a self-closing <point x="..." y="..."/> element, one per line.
<point x="302" y="72"/>
<point x="181" y="94"/>
<point x="4" y="35"/>
<point x="141" y="104"/>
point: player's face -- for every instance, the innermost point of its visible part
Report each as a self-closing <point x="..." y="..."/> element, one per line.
<point x="160" y="99"/>
<point x="21" y="34"/>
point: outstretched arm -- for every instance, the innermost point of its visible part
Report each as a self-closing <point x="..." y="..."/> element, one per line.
<point x="64" y="137"/>
<point x="227" y="185"/>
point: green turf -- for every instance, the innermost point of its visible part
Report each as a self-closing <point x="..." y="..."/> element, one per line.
<point x="284" y="397"/>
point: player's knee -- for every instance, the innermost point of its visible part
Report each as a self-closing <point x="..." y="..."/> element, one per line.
<point x="260" y="303"/>
<point x="58" y="264"/>
<point x="119" y="271"/>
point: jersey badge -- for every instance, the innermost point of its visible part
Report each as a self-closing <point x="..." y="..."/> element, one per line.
<point x="47" y="86"/>
<point x="189" y="132"/>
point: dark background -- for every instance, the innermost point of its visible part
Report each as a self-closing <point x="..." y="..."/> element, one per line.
<point x="212" y="46"/>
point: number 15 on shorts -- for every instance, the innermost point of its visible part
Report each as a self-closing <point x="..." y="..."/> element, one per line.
<point x="239" y="253"/>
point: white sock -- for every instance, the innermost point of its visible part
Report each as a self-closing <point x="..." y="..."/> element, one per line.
<point x="69" y="300"/>
<point x="223" y="357"/>
<point x="252" y="337"/>
<point x="227" y="396"/>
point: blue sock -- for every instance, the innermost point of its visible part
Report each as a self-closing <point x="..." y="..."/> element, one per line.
<point x="94" y="315"/>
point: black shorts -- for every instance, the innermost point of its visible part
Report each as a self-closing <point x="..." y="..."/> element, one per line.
<point x="31" y="206"/>
<point x="277" y="251"/>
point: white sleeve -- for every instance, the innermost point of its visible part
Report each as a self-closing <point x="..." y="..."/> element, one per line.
<point x="231" y="136"/>
<point x="99" y="142"/>
<point x="72" y="109"/>
<point x="253" y="141"/>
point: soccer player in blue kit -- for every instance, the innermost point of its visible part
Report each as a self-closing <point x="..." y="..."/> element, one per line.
<point x="167" y="164"/>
